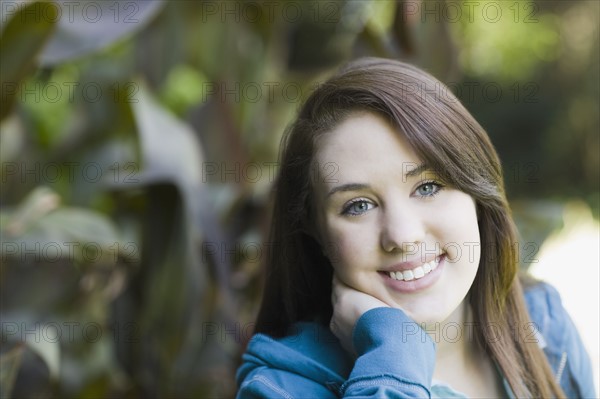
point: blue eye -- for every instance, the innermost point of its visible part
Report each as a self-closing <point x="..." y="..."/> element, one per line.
<point x="429" y="189"/>
<point x="357" y="207"/>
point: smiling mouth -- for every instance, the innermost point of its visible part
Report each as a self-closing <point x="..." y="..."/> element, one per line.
<point x="416" y="273"/>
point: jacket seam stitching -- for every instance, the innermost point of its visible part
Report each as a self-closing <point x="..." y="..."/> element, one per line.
<point x="376" y="381"/>
<point x="561" y="366"/>
<point x="268" y="383"/>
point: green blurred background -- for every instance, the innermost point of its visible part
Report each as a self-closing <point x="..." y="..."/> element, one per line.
<point x="139" y="144"/>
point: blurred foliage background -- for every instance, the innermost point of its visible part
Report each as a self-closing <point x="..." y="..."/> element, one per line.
<point x="139" y="144"/>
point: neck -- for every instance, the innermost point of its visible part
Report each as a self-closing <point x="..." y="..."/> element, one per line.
<point x="460" y="361"/>
<point x="455" y="338"/>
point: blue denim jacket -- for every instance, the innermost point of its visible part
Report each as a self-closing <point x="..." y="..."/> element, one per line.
<point x="310" y="363"/>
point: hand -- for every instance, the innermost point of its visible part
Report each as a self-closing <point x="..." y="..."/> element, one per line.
<point x="348" y="305"/>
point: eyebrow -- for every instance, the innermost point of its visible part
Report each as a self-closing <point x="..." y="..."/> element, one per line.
<point x="347" y="187"/>
<point x="416" y="171"/>
<point x="359" y="186"/>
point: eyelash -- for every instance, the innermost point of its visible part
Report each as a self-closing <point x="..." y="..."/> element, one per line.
<point x="432" y="182"/>
<point x="351" y="203"/>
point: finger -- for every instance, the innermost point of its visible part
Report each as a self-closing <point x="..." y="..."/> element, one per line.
<point x="335" y="283"/>
<point x="335" y="280"/>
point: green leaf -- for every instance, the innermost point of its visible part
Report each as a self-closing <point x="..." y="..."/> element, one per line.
<point x="23" y="37"/>
<point x="48" y="350"/>
<point x="54" y="232"/>
<point x="10" y="362"/>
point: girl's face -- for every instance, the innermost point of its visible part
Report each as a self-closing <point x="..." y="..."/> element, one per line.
<point x="388" y="225"/>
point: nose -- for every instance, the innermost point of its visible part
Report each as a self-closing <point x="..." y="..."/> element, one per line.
<point x="401" y="228"/>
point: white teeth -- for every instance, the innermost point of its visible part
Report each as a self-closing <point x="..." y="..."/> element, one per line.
<point x="396" y="275"/>
<point x="416" y="273"/>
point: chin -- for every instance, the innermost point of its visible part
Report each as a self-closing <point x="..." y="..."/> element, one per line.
<point x="426" y="316"/>
<point x="431" y="319"/>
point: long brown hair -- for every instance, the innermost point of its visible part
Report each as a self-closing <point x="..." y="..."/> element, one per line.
<point x="448" y="139"/>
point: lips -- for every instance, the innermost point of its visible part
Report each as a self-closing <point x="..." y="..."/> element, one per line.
<point x="417" y="272"/>
<point x="412" y="264"/>
<point x="413" y="276"/>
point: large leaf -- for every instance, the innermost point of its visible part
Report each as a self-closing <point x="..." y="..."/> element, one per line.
<point x="40" y="224"/>
<point x="87" y="26"/>
<point x="23" y="37"/>
<point x="174" y="285"/>
<point x="172" y="153"/>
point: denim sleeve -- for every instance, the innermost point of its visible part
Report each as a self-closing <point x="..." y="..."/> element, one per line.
<point x="271" y="383"/>
<point x="575" y="368"/>
<point x="579" y="364"/>
<point x="396" y="357"/>
<point x="396" y="360"/>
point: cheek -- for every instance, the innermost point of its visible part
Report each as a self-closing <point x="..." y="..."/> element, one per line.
<point x="340" y="249"/>
<point x="459" y="230"/>
<point x="471" y="245"/>
<point x="348" y="247"/>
